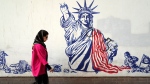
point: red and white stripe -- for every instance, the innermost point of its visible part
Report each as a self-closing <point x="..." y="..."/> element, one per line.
<point x="99" y="55"/>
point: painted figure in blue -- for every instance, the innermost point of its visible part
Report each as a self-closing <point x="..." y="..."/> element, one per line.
<point x="57" y="67"/>
<point x="7" y="69"/>
<point x="130" y="61"/>
<point x="21" y="67"/>
<point x="112" y="48"/>
<point x="2" y="59"/>
<point x="145" y="64"/>
<point x="76" y="32"/>
<point x="86" y="47"/>
<point x="3" y="65"/>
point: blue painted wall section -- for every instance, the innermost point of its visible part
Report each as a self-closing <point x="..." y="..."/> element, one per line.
<point x="18" y="68"/>
<point x="131" y="61"/>
<point x="21" y="67"/>
<point x="3" y="65"/>
<point x="83" y="47"/>
<point x="87" y="48"/>
<point x="57" y="67"/>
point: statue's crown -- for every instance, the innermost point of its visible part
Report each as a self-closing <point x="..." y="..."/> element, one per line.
<point x="86" y="9"/>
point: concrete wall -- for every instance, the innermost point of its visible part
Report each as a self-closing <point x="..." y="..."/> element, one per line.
<point x="127" y="22"/>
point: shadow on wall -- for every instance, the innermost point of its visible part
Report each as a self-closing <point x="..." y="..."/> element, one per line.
<point x="120" y="31"/>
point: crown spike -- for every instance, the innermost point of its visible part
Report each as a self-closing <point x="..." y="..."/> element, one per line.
<point x="94" y="7"/>
<point x="79" y="4"/>
<point x="85" y="3"/>
<point x="76" y="8"/>
<point x="85" y="8"/>
<point x="95" y="12"/>
<point x="91" y="4"/>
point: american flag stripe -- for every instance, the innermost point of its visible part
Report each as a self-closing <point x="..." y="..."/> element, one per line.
<point x="99" y="55"/>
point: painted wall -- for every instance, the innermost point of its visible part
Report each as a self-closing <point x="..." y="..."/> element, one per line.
<point x="125" y="22"/>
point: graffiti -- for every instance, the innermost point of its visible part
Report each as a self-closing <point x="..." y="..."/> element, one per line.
<point x="145" y="64"/>
<point x="57" y="67"/>
<point x="18" y="68"/>
<point x="3" y="65"/>
<point x="87" y="48"/>
<point x="73" y="72"/>
<point x="2" y="59"/>
<point x="7" y="69"/>
<point x="66" y="70"/>
<point x="131" y="61"/>
<point x="21" y="67"/>
<point x="69" y="71"/>
<point x="112" y="48"/>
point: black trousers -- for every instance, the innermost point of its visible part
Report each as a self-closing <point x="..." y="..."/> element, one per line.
<point x="42" y="79"/>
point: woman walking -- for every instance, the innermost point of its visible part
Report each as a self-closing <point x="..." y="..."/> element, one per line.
<point x="39" y="62"/>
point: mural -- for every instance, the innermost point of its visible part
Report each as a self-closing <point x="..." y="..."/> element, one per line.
<point x="3" y="65"/>
<point x="18" y="68"/>
<point x="143" y="67"/>
<point x="87" y="49"/>
<point x="21" y="67"/>
<point x="57" y="67"/>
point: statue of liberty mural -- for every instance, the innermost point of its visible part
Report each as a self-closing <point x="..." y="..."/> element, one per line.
<point x="87" y="49"/>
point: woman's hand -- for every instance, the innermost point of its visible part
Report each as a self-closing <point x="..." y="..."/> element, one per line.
<point x="51" y="70"/>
